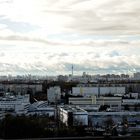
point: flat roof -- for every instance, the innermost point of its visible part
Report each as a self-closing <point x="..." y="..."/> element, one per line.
<point x="72" y="108"/>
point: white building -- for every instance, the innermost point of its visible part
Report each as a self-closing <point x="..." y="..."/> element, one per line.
<point x="91" y="91"/>
<point x="54" y="94"/>
<point x="130" y="101"/>
<point x="113" y="102"/>
<point x="14" y="103"/>
<point x="112" y="90"/>
<point x="85" y="114"/>
<point x="85" y="91"/>
<point x="73" y="116"/>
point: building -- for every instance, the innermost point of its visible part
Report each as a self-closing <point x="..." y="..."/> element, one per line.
<point x="41" y="108"/>
<point x="53" y="94"/>
<point x="85" y="91"/>
<point x="62" y="78"/>
<point x="72" y="115"/>
<point x="137" y="75"/>
<point x="89" y="115"/>
<point x="101" y="118"/>
<point x="21" y="88"/>
<point x="14" y="103"/>
<point x="91" y="91"/>
<point x="113" y="102"/>
<point x="82" y="100"/>
<point x="131" y="101"/>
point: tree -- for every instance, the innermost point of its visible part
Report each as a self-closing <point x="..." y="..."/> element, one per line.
<point x="126" y="107"/>
<point x="125" y="125"/>
<point x="103" y="107"/>
<point x="109" y="122"/>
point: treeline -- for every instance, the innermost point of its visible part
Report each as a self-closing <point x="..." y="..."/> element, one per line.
<point x="14" y="127"/>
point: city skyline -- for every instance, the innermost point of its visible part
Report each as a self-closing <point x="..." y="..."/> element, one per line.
<point x="47" y="37"/>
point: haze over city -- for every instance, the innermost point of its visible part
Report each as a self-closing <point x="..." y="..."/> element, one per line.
<point x="48" y="36"/>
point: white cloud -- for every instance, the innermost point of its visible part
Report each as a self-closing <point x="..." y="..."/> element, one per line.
<point x="2" y="26"/>
<point x="28" y="57"/>
<point x="45" y="48"/>
<point x="75" y="16"/>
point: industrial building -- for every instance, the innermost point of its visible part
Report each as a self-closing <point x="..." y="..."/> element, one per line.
<point x="113" y="102"/>
<point x="73" y="115"/>
<point x="20" y="105"/>
<point x="100" y="118"/>
<point x="14" y="103"/>
<point x="90" y="114"/>
<point x="41" y="108"/>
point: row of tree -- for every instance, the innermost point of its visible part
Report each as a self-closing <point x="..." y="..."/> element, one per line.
<point x="14" y="127"/>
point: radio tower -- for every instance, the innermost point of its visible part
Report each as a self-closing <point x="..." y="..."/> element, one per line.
<point x="72" y="70"/>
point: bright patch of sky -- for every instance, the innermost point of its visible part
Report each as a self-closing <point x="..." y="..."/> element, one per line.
<point x="48" y="36"/>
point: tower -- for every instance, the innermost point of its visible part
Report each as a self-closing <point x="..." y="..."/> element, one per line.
<point x="72" y="69"/>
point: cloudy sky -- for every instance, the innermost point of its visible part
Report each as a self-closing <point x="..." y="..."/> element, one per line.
<point x="48" y="36"/>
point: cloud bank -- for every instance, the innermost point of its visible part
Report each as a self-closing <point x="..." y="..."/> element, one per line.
<point x="48" y="36"/>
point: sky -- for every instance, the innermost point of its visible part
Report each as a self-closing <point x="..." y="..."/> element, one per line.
<point x="47" y="37"/>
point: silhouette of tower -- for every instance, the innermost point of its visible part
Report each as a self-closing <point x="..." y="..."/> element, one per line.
<point x="72" y="70"/>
